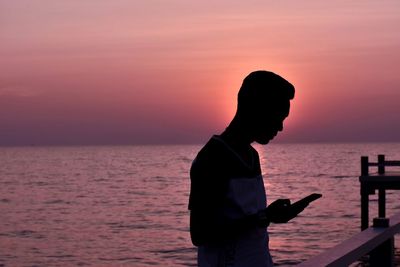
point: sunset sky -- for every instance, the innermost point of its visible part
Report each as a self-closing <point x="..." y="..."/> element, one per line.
<point x="167" y="71"/>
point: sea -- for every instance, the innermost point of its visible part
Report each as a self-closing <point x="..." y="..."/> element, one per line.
<point x="127" y="205"/>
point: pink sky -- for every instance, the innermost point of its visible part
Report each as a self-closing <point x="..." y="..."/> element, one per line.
<point x="156" y="71"/>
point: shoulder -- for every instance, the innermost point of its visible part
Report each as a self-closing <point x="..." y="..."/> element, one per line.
<point x="213" y="156"/>
<point x="212" y="147"/>
<point x="217" y="158"/>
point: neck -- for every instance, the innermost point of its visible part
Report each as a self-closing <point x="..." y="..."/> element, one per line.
<point x="236" y="136"/>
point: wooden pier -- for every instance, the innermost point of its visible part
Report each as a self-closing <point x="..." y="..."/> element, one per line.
<point x="376" y="241"/>
<point x="381" y="181"/>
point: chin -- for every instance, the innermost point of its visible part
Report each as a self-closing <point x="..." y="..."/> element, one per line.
<point x="263" y="141"/>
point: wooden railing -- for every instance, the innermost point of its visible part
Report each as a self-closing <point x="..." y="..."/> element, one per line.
<point x="377" y="241"/>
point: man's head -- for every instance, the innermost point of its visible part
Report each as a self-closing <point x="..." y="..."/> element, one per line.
<point x="263" y="104"/>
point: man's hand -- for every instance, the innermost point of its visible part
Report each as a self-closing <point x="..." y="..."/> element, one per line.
<point x="281" y="211"/>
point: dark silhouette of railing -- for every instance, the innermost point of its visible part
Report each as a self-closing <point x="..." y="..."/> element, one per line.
<point x="381" y="181"/>
<point x="377" y="241"/>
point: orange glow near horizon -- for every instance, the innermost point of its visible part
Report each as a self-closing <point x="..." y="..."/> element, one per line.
<point x="169" y="72"/>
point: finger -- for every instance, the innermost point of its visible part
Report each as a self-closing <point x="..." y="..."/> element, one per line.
<point x="300" y="206"/>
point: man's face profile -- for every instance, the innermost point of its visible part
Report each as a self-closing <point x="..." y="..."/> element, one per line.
<point x="263" y="104"/>
<point x="269" y="121"/>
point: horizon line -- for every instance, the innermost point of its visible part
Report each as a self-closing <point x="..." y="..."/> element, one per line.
<point x="189" y="143"/>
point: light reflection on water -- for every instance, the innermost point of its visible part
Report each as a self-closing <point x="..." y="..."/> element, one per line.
<point x="108" y="206"/>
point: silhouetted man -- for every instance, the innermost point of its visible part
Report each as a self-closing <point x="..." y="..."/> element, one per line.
<point x="228" y="214"/>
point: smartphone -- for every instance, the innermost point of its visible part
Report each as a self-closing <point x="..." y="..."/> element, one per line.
<point x="307" y="200"/>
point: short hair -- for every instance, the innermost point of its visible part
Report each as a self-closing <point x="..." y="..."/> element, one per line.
<point x="261" y="87"/>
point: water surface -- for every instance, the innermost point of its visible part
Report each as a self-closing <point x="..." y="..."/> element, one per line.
<point x="127" y="206"/>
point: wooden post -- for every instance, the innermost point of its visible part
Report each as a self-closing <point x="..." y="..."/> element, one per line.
<point x="382" y="255"/>
<point x="364" y="208"/>
<point x="381" y="192"/>
<point x="382" y="203"/>
<point x="364" y="166"/>
<point x="364" y="194"/>
<point x="381" y="164"/>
